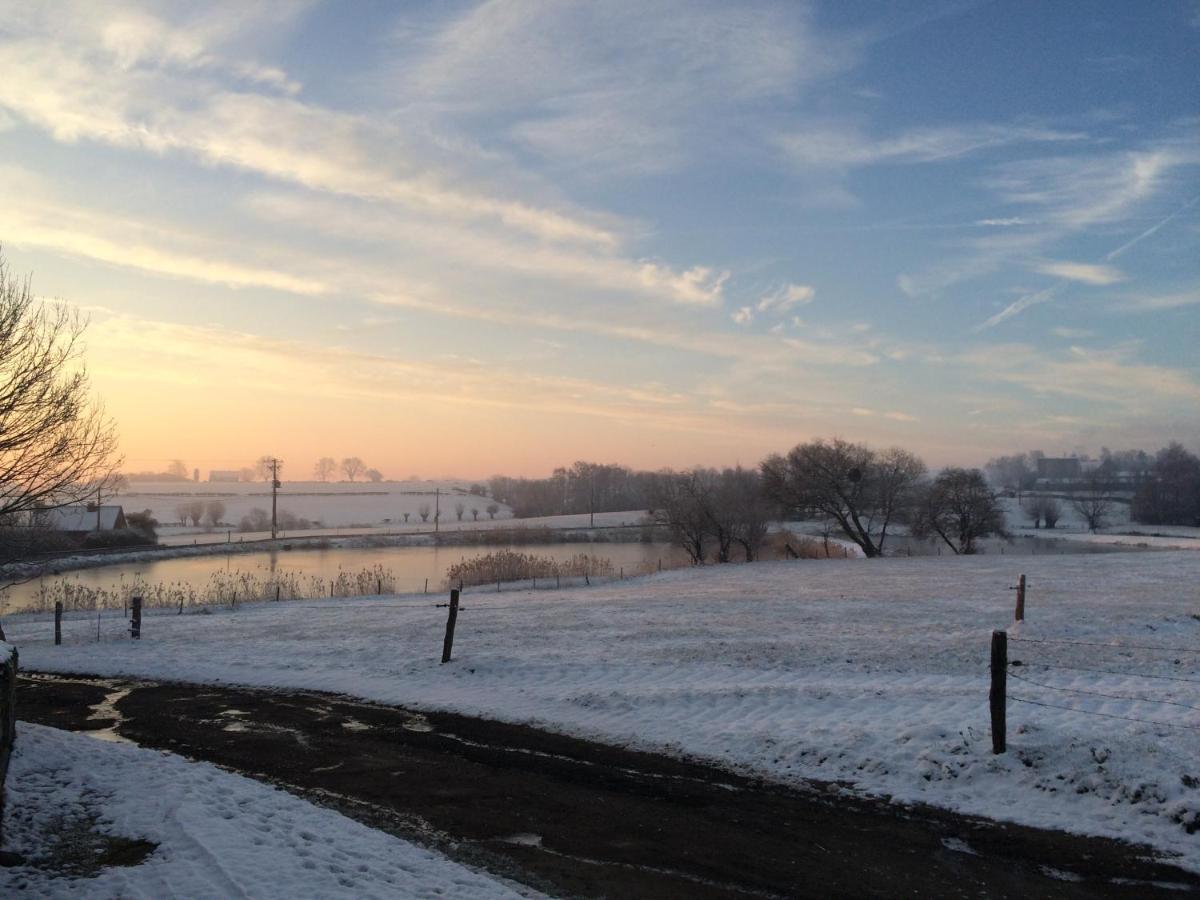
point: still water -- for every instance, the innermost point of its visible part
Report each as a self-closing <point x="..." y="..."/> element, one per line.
<point x="409" y="567"/>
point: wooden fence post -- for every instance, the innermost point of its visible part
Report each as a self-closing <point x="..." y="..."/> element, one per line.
<point x="997" y="697"/>
<point x="58" y="622"/>
<point x="451" y="619"/>
<point x="426" y="585"/>
<point x="135" y="618"/>
<point x="276" y="593"/>
<point x="1020" y="614"/>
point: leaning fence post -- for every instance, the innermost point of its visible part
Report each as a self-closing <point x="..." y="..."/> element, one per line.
<point x="135" y="618"/>
<point x="997" y="696"/>
<point x="58" y="622"/>
<point x="451" y="619"/>
<point x="1020" y="614"/>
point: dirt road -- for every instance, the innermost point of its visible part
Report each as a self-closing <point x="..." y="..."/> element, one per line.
<point x="581" y="819"/>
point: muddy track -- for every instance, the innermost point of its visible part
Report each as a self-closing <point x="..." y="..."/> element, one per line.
<point x="580" y="819"/>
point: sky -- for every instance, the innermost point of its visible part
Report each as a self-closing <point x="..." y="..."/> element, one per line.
<point x="468" y="238"/>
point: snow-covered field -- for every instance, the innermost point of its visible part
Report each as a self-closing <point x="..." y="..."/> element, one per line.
<point x="220" y="835"/>
<point x="874" y="673"/>
<point x="334" y="504"/>
<point x="1118" y="529"/>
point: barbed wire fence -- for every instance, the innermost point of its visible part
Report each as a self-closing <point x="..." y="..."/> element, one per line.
<point x="1039" y="682"/>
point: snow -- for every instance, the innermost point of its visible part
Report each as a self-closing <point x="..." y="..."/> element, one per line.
<point x="219" y="834"/>
<point x="1118" y="529"/>
<point x="334" y="504"/>
<point x="872" y="673"/>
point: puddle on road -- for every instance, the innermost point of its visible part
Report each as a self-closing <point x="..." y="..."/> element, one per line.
<point x="355" y="725"/>
<point x="107" y="709"/>
<point x="417" y="722"/>
<point x="523" y="840"/>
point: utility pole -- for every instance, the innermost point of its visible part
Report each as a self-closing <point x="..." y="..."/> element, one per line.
<point x="274" y="492"/>
<point x="437" y="507"/>
<point x="592" y="499"/>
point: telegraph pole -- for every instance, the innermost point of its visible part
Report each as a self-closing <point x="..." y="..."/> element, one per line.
<point x="437" y="507"/>
<point x="274" y="492"/>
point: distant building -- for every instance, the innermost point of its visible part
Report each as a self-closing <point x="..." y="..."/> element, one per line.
<point x="224" y="475"/>
<point x="1067" y="468"/>
<point x="82" y="520"/>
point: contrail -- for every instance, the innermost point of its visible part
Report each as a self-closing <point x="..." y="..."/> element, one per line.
<point x="1045" y="296"/>
<point x="1149" y="231"/>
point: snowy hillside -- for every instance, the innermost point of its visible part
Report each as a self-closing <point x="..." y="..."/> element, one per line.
<point x="870" y="673"/>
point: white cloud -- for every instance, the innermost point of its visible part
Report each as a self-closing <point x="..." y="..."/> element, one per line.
<point x="624" y="85"/>
<point x="1157" y="302"/>
<point x="838" y="146"/>
<point x="1009" y="222"/>
<point x="786" y="297"/>
<point x="112" y="87"/>
<point x="1087" y="273"/>
<point x="743" y="316"/>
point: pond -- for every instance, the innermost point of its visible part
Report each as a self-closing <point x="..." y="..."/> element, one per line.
<point x="406" y="569"/>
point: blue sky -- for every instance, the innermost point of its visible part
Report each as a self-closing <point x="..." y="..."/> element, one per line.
<point x="457" y="237"/>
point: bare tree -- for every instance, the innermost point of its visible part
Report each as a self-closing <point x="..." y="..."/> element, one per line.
<point x="178" y="469"/>
<point x="195" y="512"/>
<point x="751" y="511"/>
<point x="1092" y="501"/>
<point x="352" y="467"/>
<point x="262" y="468"/>
<point x="423" y="511"/>
<point x="374" y="475"/>
<point x="678" y="503"/>
<point x="862" y="491"/>
<point x="406" y="515"/>
<point x="325" y="468"/>
<point x="214" y="511"/>
<point x="492" y="509"/>
<point x="183" y="511"/>
<point x="960" y="508"/>
<point x="1042" y="509"/>
<point x="475" y="513"/>
<point x="57" y="446"/>
<point x="459" y="509"/>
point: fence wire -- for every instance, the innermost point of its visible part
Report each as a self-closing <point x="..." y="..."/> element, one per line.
<point x="1192" y="650"/>
<point x="1108" y="696"/>
<point x="1104" y="715"/>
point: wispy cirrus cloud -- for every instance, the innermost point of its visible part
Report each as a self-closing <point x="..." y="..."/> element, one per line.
<point x="1143" y="303"/>
<point x="145" y="85"/>
<point x="840" y="146"/>
<point x="615" y="87"/>
<point x="1086" y="273"/>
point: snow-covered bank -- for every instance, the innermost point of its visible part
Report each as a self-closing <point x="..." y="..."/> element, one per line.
<point x="218" y="834"/>
<point x="873" y="673"/>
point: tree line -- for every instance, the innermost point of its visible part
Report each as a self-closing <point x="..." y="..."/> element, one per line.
<point x="860" y="493"/>
<point x="1161" y="488"/>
